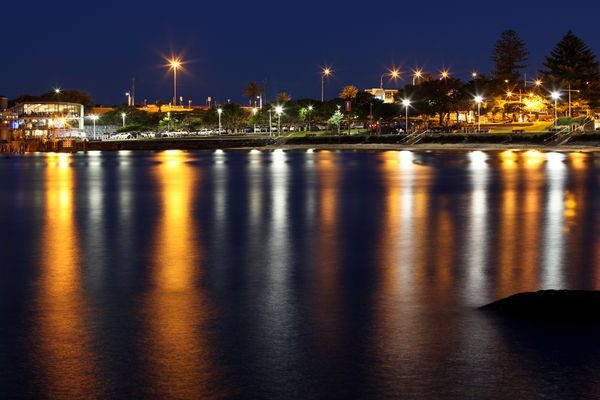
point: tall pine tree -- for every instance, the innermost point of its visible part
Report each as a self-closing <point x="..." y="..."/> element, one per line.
<point x="571" y="62"/>
<point x="508" y="56"/>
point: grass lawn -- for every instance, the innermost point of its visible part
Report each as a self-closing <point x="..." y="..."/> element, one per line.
<point x="534" y="127"/>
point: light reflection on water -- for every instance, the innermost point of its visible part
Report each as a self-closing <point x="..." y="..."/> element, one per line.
<point x="292" y="274"/>
<point x="63" y="336"/>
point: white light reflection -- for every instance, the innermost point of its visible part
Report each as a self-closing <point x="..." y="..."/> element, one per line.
<point x="256" y="200"/>
<point x="553" y="236"/>
<point x="96" y="233"/>
<point x="407" y="215"/>
<point x="220" y="196"/>
<point x="406" y="158"/>
<point x="477" y="239"/>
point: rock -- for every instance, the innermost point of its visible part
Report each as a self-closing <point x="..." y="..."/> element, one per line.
<point x="551" y="305"/>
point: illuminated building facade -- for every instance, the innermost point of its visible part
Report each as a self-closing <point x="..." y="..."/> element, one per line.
<point x="43" y="119"/>
<point x="387" y="95"/>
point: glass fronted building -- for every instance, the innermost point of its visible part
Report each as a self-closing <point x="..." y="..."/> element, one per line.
<point x="44" y="119"/>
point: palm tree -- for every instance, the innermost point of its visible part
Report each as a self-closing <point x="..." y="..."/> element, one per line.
<point x="159" y="104"/>
<point x="283" y="97"/>
<point x="252" y="89"/>
<point x="349" y="92"/>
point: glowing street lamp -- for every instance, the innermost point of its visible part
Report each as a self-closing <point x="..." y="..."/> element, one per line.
<point x="123" y="114"/>
<point x="309" y="110"/>
<point x="220" y="111"/>
<point x="478" y="99"/>
<point x="394" y="74"/>
<point x="175" y="64"/>
<point x="406" y="103"/>
<point x="94" y="118"/>
<point x="416" y="75"/>
<point x="325" y="72"/>
<point x="555" y="96"/>
<point x="278" y="110"/>
<point x="254" y="111"/>
<point x="128" y="98"/>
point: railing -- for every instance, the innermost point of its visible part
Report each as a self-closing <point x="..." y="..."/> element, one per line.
<point x="559" y="137"/>
<point x="414" y="137"/>
<point x="564" y="134"/>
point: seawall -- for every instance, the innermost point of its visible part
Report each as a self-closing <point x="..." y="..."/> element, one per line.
<point x="71" y="146"/>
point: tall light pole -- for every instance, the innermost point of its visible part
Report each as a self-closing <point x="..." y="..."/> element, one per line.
<point x="478" y="99"/>
<point x="128" y="98"/>
<point x="406" y="103"/>
<point x="123" y="114"/>
<point x="340" y="121"/>
<point x="555" y="96"/>
<point x="94" y="118"/>
<point x="220" y="111"/>
<point x="254" y="111"/>
<point x="278" y="109"/>
<point x="168" y="121"/>
<point x="309" y="110"/>
<point x="569" y="90"/>
<point x="270" y="123"/>
<point x="325" y="72"/>
<point x="175" y="64"/>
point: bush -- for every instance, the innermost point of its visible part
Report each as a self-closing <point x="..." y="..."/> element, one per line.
<point x="384" y="138"/>
<point x="450" y="138"/>
<point x="134" y="128"/>
<point x="586" y="137"/>
<point x="494" y="138"/>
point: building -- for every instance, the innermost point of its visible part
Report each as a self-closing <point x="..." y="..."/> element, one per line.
<point x="387" y="95"/>
<point x="30" y="120"/>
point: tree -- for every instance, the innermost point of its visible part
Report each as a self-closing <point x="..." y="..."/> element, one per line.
<point x="508" y="56"/>
<point x="233" y="116"/>
<point x="349" y="92"/>
<point x="253" y="90"/>
<point x="159" y="104"/>
<point x="335" y="119"/>
<point x="282" y="97"/>
<point x="572" y="63"/>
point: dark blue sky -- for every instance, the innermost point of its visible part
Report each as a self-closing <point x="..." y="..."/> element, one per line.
<point x="98" y="47"/>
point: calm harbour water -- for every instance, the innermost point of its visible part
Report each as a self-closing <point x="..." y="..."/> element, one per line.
<point x="300" y="274"/>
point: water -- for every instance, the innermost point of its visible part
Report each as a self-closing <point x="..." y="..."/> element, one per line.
<point x="301" y="275"/>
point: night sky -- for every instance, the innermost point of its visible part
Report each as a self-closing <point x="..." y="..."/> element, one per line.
<point x="99" y="46"/>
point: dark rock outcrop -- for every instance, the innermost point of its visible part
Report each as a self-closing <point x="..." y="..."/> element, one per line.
<point x="551" y="305"/>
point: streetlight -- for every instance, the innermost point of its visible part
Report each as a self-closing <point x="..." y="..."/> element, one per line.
<point x="325" y="72"/>
<point x="175" y="64"/>
<point x="555" y="96"/>
<point x="416" y="75"/>
<point x="569" y="90"/>
<point x="128" y="98"/>
<point x="309" y="110"/>
<point x="393" y="74"/>
<point x="406" y="103"/>
<point x="478" y="99"/>
<point x="168" y="121"/>
<point x="254" y="111"/>
<point x="94" y="118"/>
<point x="340" y="121"/>
<point x="220" y="111"/>
<point x="123" y="114"/>
<point x="278" y="110"/>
